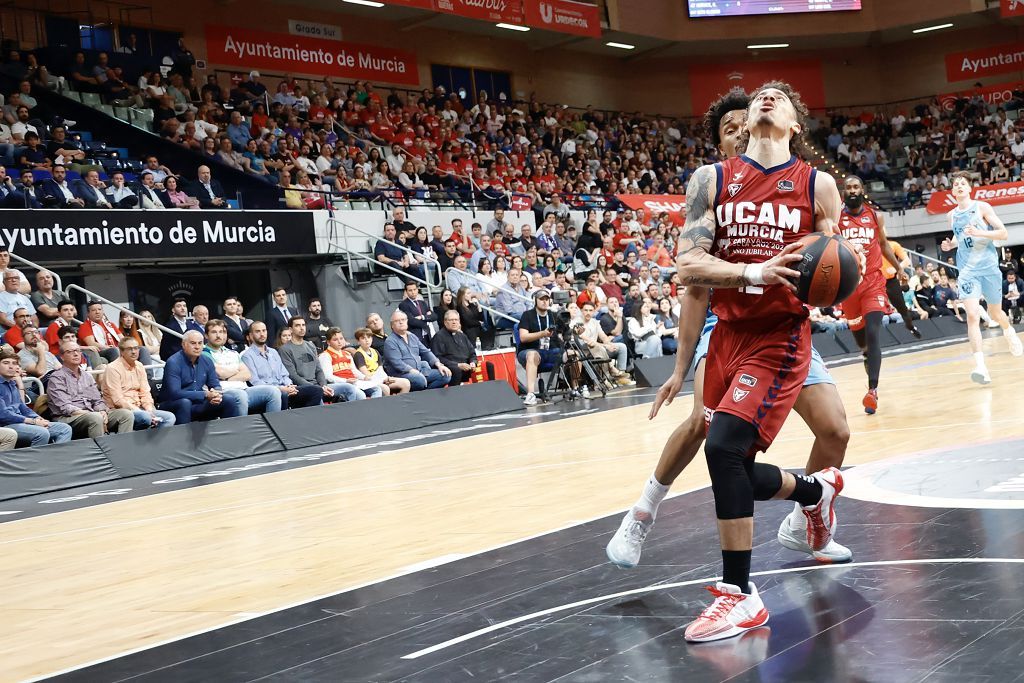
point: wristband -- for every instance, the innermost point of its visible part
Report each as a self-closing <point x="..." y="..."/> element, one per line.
<point x="753" y="273"/>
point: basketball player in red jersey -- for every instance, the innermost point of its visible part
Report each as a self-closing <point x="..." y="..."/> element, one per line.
<point x="744" y="217"/>
<point x="819" y="403"/>
<point x="862" y="225"/>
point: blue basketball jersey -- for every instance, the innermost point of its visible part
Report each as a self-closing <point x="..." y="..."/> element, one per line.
<point x="976" y="255"/>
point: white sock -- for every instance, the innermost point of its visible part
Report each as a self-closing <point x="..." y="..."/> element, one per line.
<point x="654" y="492"/>
<point x="979" y="359"/>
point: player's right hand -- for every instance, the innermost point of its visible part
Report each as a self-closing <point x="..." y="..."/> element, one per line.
<point x="666" y="394"/>
<point x="948" y="245"/>
<point x="777" y="271"/>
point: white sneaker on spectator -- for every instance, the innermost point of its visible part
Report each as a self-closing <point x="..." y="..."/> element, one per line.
<point x="530" y="399"/>
<point x="585" y="391"/>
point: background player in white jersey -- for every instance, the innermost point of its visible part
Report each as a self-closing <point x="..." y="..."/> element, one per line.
<point x="976" y="227"/>
<point x="819" y="403"/>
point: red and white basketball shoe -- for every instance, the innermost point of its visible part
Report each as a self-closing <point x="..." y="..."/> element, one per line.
<point x="732" y="613"/>
<point x="821" y="518"/>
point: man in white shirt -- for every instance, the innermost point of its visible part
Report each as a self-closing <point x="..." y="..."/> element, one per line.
<point x="11" y="300"/>
<point x="602" y="347"/>
<point x="148" y="195"/>
<point x="119" y="194"/>
<point x="234" y="375"/>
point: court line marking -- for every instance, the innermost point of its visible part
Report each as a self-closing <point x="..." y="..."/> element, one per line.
<point x="681" y="584"/>
<point x="248" y="616"/>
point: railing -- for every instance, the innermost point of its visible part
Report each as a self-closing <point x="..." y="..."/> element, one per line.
<point x="101" y="370"/>
<point x="96" y="297"/>
<point x="56" y="278"/>
<point x="34" y="380"/>
<point x="478" y="278"/>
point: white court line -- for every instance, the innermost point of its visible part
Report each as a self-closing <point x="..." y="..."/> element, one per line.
<point x="681" y="584"/>
<point x="247" y="616"/>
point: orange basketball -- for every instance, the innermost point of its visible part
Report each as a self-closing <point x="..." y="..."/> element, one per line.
<point x="829" y="270"/>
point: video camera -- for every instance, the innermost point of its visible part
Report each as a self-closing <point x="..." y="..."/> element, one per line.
<point x="560" y="305"/>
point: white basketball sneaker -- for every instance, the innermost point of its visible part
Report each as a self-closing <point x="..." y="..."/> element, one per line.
<point x="793" y="535"/>
<point x="821" y="518"/>
<point x="1016" y="347"/>
<point x="980" y="375"/>
<point x="732" y="613"/>
<point x="627" y="543"/>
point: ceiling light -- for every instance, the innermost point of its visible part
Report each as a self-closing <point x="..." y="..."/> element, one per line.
<point x="621" y="46"/>
<point x="513" y="27"/>
<point x="931" y="28"/>
<point x="366" y="3"/>
<point x="767" y="46"/>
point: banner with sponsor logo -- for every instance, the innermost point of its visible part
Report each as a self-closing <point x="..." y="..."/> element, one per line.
<point x="1003" y="193"/>
<point x="248" y="49"/>
<point x="653" y="204"/>
<point x="566" y="16"/>
<point x="985" y="61"/>
<point x="708" y="81"/>
<point x="992" y="94"/>
<point x="51" y="235"/>
<point x="505" y="11"/>
<point x="1011" y="8"/>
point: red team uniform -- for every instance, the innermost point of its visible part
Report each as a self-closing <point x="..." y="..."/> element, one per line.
<point x="870" y="295"/>
<point x="760" y="349"/>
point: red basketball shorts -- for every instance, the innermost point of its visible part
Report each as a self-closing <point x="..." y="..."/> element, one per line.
<point x="756" y="373"/>
<point x="869" y="297"/>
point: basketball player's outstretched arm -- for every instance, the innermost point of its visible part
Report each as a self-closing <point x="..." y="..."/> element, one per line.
<point x="693" y="309"/>
<point x="696" y="265"/>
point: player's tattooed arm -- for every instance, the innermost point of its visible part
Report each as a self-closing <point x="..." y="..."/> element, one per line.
<point x="695" y="263"/>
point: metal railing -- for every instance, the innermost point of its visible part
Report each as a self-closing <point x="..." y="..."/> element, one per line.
<point x="345" y="228"/>
<point x="478" y="278"/>
<point x="96" y="297"/>
<point x="57" y="282"/>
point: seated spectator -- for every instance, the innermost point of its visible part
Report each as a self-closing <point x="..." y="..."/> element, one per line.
<point x="238" y="132"/>
<point x="454" y="349"/>
<point x="75" y="400"/>
<point x="131" y="326"/>
<point x="208" y="190"/>
<point x="602" y="347"/>
<point x="200" y="316"/>
<point x="267" y="370"/>
<point x="149" y="196"/>
<point x="150" y="333"/>
<point x="340" y="369"/>
<point x="46" y="299"/>
<point x="670" y="321"/>
<point x="317" y="323"/>
<point x="54" y="192"/>
<point x="512" y="300"/>
<point x="422" y="321"/>
<point x="540" y="345"/>
<point x="14" y="414"/>
<point x="368" y="360"/>
<point x="406" y="356"/>
<point x="178" y="198"/>
<point x="1012" y="291"/>
<point x="179" y="322"/>
<point x="125" y="386"/>
<point x="14" y="337"/>
<point x="389" y="253"/>
<point x="300" y="358"/>
<point x="98" y="333"/>
<point x="68" y="153"/>
<point x="10" y="196"/>
<point x="234" y="375"/>
<point x="34" y="356"/>
<point x="120" y="195"/>
<point x="467" y="305"/>
<point x="376" y="326"/>
<point x="238" y="326"/>
<point x="191" y="389"/>
<point x="11" y="299"/>
<point x="33" y="154"/>
<point x="91" y="190"/>
<point x="645" y="331"/>
<point x="66" y="314"/>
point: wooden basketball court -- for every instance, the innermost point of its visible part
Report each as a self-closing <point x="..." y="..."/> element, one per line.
<point x="120" y="575"/>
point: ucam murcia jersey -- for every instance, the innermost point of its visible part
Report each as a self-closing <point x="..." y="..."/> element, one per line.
<point x="758" y="212"/>
<point x="862" y="228"/>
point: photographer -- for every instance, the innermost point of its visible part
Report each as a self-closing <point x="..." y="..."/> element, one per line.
<point x="540" y="343"/>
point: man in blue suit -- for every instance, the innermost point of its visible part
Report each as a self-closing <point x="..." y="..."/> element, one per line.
<point x="55" y="193"/>
<point x="10" y="196"/>
<point x="90" y="190"/>
<point x="208" y="191"/>
<point x="179" y="322"/>
<point x="191" y="389"/>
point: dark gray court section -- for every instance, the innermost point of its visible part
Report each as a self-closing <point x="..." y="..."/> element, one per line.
<point x="922" y="613"/>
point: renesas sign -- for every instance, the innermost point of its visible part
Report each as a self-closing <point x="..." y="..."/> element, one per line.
<point x="50" y="235"/>
<point x="1001" y="193"/>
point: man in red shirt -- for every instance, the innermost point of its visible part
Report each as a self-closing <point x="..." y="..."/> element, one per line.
<point x="98" y="333"/>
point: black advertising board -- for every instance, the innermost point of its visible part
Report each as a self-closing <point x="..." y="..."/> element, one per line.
<point x="52" y="235"/>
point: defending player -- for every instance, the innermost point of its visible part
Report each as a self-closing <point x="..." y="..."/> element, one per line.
<point x="819" y="403"/>
<point x="976" y="227"/>
<point x="744" y="217"/>
<point x="895" y="281"/>
<point x="862" y="225"/>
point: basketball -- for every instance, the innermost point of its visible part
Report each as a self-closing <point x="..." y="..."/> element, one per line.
<point x="829" y="270"/>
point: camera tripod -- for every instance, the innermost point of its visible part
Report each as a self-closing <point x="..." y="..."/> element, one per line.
<point x="559" y="382"/>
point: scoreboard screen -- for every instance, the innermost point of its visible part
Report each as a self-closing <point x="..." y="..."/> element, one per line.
<point x="736" y="8"/>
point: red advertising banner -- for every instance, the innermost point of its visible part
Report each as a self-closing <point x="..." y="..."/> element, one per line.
<point x="653" y="204"/>
<point x="505" y="11"/>
<point x="708" y="81"/>
<point x="564" y="16"/>
<point x="283" y="52"/>
<point x="1011" y="8"/>
<point x="992" y="94"/>
<point x="1003" y="193"/>
<point x="416" y="4"/>
<point x="985" y="61"/>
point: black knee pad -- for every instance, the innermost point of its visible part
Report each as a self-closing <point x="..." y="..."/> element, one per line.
<point x="767" y="481"/>
<point x="730" y="439"/>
